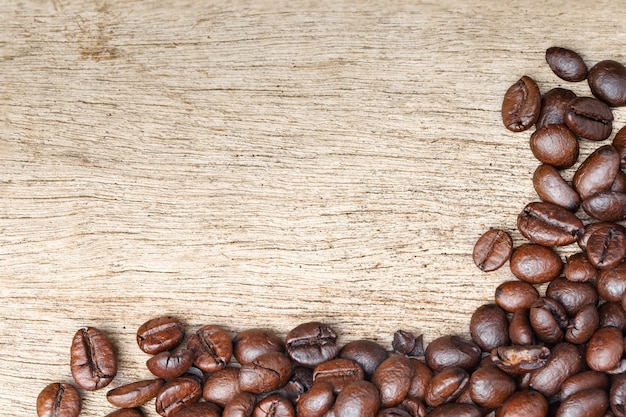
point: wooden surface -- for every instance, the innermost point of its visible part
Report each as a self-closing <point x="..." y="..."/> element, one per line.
<point x="259" y="164"/>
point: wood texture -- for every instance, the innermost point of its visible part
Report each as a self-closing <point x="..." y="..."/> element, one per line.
<point x="260" y="164"/>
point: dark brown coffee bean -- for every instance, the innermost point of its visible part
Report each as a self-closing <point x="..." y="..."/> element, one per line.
<point x="607" y="80"/>
<point x="338" y="372"/>
<point x="548" y="224"/>
<point x="564" y="361"/>
<point x="572" y="295"/>
<point x="520" y="359"/>
<point x="251" y="343"/>
<point x="241" y="405"/>
<point x="160" y="334"/>
<point x="548" y="320"/>
<point x="611" y="283"/>
<point x="92" y="359"/>
<point x="492" y="250"/>
<point x="520" y="330"/>
<point x="489" y="327"/>
<point x="168" y="365"/>
<point x="515" y="295"/>
<point x="552" y="188"/>
<point x="134" y="394"/>
<point x="446" y="386"/>
<point x="126" y="412"/>
<point x="420" y="379"/>
<point x="619" y="141"/>
<point x="406" y="343"/>
<point x="360" y="398"/>
<point x="213" y="348"/>
<point x="612" y="314"/>
<point x="521" y="105"/>
<point x="553" y="107"/>
<point x="606" y="248"/>
<point x="448" y="351"/>
<point x="367" y="353"/>
<point x="316" y="401"/>
<point x="59" y="400"/>
<point x="566" y="64"/>
<point x="274" y="406"/>
<point x="524" y="404"/>
<point x="221" y="386"/>
<point x="597" y="172"/>
<point x="535" y="264"/>
<point x="589" y="118"/>
<point x="583" y="381"/>
<point x="300" y="382"/>
<point x="578" y="268"/>
<point x="583" y="325"/>
<point x="266" y="373"/>
<point x="490" y="387"/>
<point x="555" y="145"/>
<point x="588" y="403"/>
<point x="393" y="379"/>
<point x="414" y="406"/>
<point x="200" y="409"/>
<point x="592" y="228"/>
<point x="605" y="349"/>
<point x="456" y="410"/>
<point x="606" y="206"/>
<point x="312" y="343"/>
<point x="176" y="394"/>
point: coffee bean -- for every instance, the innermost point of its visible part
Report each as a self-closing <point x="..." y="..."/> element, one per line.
<point x="492" y="250"/>
<point x="607" y="80"/>
<point x="176" y="394"/>
<point x="611" y="283"/>
<point x="213" y="348"/>
<point x="617" y="395"/>
<point x="160" y="334"/>
<point x="564" y="361"/>
<point x="605" y="349"/>
<point x="312" y="343"/>
<point x="552" y="188"/>
<point x="450" y="350"/>
<point x="548" y="320"/>
<point x="583" y="325"/>
<point x="274" y="406"/>
<point x="59" y="400"/>
<point x="583" y="381"/>
<point x="338" y="372"/>
<point x="612" y="314"/>
<point x="168" y="365"/>
<point x="520" y="330"/>
<point x="446" y="386"/>
<point x="266" y="373"/>
<point x="300" y="382"/>
<point x="406" y="343"/>
<point x="393" y="379"/>
<point x="535" y="264"/>
<point x="489" y="327"/>
<point x="316" y="401"/>
<point x="521" y="105"/>
<point x="566" y="64"/>
<point x="251" y="343"/>
<point x="414" y="407"/>
<point x="241" y="405"/>
<point x="92" y="359"/>
<point x="589" y="118"/>
<point x="594" y="227"/>
<point x="126" y="412"/>
<point x="578" y="268"/>
<point x="520" y="359"/>
<point x="200" y="409"/>
<point x="367" y="353"/>
<point x="490" y="387"/>
<point x="134" y="394"/>
<point x="420" y="379"/>
<point x="555" y="145"/>
<point x="548" y="224"/>
<point x="553" y="107"/>
<point x="524" y="404"/>
<point x="606" y="206"/>
<point x="222" y="386"/>
<point x="588" y="403"/>
<point x="515" y="295"/>
<point x="359" y="398"/>
<point x="572" y="295"/>
<point x="597" y="172"/>
<point x="456" y="410"/>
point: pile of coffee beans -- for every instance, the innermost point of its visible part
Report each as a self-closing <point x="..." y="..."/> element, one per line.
<point x="533" y="352"/>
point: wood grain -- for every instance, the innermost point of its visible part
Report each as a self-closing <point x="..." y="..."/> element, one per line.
<point x="260" y="164"/>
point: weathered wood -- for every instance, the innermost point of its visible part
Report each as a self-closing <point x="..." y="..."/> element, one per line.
<point x="251" y="164"/>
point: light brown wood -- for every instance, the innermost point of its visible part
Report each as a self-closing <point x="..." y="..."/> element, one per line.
<point x="260" y="164"/>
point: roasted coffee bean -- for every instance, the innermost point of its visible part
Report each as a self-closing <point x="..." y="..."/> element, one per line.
<point x="420" y="379"/>
<point x="619" y="141"/>
<point x="316" y="401"/>
<point x="489" y="387"/>
<point x="583" y="325"/>
<point x="566" y="64"/>
<point x="606" y="206"/>
<point x="512" y="296"/>
<point x="393" y="379"/>
<point x="359" y="398"/>
<point x="134" y="394"/>
<point x="597" y="172"/>
<point x="564" y="361"/>
<point x="221" y="386"/>
<point x="160" y="334"/>
<point x="213" y="348"/>
<point x="572" y="295"/>
<point x="595" y="227"/>
<point x="520" y="359"/>
<point x="617" y="395"/>
<point x="492" y="250"/>
<point x="367" y="353"/>
<point x="251" y="343"/>
<point x="450" y="350"/>
<point x="393" y="412"/>
<point x="606" y="248"/>
<point x="612" y="314"/>
<point x="489" y="327"/>
<point x="241" y="405"/>
<point x="589" y="118"/>
<point x="605" y="349"/>
<point x="520" y="330"/>
<point x="176" y="394"/>
<point x="552" y="188"/>
<point x="578" y="268"/>
<point x="312" y="343"/>
<point x="126" y="412"/>
<point x="555" y="145"/>
<point x="300" y="382"/>
<point x="548" y="224"/>
<point x="92" y="359"/>
<point x="607" y="80"/>
<point x="524" y="404"/>
<point x="406" y="343"/>
<point x="583" y="381"/>
<point x="553" y="107"/>
<point x="274" y="406"/>
<point x="521" y="105"/>
<point x="588" y="403"/>
<point x="168" y="365"/>
<point x="456" y="410"/>
<point x="338" y="372"/>
<point x="414" y="407"/>
<point x="59" y="400"/>
<point x="266" y="373"/>
<point x="200" y="409"/>
<point x="548" y="320"/>
<point x="446" y="386"/>
<point x="535" y="264"/>
<point x="611" y="283"/>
